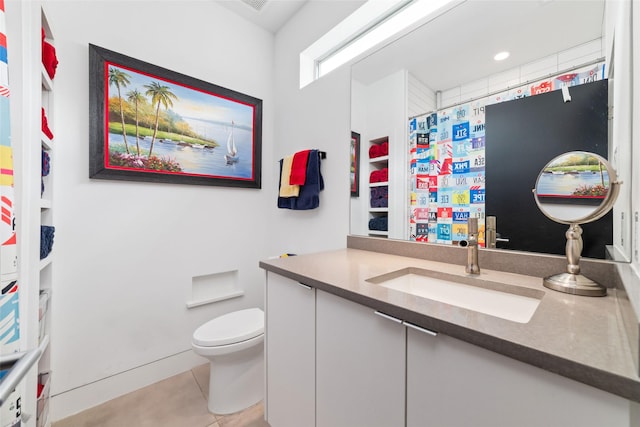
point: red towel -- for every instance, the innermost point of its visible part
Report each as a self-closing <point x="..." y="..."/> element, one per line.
<point x="384" y="149"/>
<point x="45" y="126"/>
<point x="49" y="59"/>
<point x="299" y="168"/>
<point x="374" y="151"/>
<point x="374" y="176"/>
<point x="384" y="175"/>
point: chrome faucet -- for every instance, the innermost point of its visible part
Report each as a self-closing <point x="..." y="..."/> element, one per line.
<point x="471" y="243"/>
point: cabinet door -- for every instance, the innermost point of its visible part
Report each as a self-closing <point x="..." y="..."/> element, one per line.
<point x="360" y="366"/>
<point x="453" y="383"/>
<point x="290" y="353"/>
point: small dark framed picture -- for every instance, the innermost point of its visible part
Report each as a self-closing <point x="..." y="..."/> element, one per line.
<point x="355" y="164"/>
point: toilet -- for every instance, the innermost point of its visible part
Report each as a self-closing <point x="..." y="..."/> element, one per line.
<point x="233" y="343"/>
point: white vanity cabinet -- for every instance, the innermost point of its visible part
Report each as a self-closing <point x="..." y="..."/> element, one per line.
<point x="454" y="383"/>
<point x="331" y="362"/>
<point x="360" y="366"/>
<point x="290" y="353"/>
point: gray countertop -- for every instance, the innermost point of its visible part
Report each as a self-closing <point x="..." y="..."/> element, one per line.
<point x="582" y="338"/>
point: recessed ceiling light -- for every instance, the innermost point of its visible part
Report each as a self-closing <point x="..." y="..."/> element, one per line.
<point x="500" y="56"/>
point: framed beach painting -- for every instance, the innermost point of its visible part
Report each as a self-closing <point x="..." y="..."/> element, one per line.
<point x="151" y="124"/>
<point x="355" y="164"/>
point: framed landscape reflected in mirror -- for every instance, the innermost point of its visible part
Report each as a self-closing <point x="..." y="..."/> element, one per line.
<point x="577" y="177"/>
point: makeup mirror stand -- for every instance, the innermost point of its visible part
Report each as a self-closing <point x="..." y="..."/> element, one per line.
<point x="572" y="282"/>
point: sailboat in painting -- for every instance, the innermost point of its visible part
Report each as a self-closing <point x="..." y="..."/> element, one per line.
<point x="232" y="152"/>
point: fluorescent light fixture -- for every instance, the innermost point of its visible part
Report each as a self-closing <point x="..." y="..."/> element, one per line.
<point x="501" y="56"/>
<point x="375" y="22"/>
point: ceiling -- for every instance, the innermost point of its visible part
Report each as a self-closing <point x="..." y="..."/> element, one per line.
<point x="458" y="47"/>
<point x="268" y="14"/>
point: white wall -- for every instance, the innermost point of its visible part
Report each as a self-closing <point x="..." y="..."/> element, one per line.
<point x="386" y="109"/>
<point x="381" y="109"/>
<point x="420" y="98"/>
<point x="514" y="77"/>
<point x="618" y="13"/>
<point x="317" y="116"/>
<point x="635" y="202"/>
<point x="358" y="206"/>
<point x="126" y="252"/>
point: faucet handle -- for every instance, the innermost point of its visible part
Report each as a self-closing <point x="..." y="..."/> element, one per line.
<point x="472" y="225"/>
<point x="491" y="222"/>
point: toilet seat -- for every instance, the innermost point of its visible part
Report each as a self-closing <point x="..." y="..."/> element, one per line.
<point x="230" y="328"/>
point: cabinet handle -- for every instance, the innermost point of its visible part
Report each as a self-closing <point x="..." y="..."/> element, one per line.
<point x="386" y="316"/>
<point x="418" y="328"/>
<point x="305" y="286"/>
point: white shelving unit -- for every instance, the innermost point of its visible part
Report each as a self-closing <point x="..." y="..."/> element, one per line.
<point x="377" y="164"/>
<point x="46" y="219"/>
<point x="31" y="90"/>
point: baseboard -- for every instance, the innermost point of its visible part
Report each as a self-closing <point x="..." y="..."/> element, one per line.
<point x="82" y="398"/>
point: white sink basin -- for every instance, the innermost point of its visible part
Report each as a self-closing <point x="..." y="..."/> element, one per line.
<point x="502" y="300"/>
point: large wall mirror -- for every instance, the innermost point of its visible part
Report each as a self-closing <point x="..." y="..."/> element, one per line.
<point x="453" y="54"/>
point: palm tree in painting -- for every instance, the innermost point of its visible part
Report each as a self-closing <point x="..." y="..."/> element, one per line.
<point x="160" y="95"/>
<point x="120" y="78"/>
<point x="136" y="97"/>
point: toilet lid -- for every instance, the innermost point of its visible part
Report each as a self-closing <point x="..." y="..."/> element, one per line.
<point x="230" y="328"/>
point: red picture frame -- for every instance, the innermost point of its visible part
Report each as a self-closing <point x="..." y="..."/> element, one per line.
<point x="151" y="124"/>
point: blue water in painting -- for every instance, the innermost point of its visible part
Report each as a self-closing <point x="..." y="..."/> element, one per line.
<point x="202" y="161"/>
<point x="565" y="184"/>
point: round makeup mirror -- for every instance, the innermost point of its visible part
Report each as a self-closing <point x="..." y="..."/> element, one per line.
<point x="576" y="188"/>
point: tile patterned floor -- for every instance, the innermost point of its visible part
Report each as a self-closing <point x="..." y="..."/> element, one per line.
<point x="179" y="401"/>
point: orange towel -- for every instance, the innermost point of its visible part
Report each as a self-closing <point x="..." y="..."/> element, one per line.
<point x="286" y="189"/>
<point x="299" y="168"/>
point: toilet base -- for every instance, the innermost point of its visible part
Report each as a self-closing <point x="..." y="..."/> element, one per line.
<point x="236" y="381"/>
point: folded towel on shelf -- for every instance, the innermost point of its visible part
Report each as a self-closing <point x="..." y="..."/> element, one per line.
<point x="384" y="149"/>
<point x="299" y="168"/>
<point x="379" y="197"/>
<point x="45" y="169"/>
<point x="374" y="151"/>
<point x="286" y="189"/>
<point x="309" y="194"/>
<point x="46" y="240"/>
<point x="49" y="58"/>
<point x="45" y="125"/>
<point x="379" y="203"/>
<point x="378" y="223"/>
<point x="374" y="176"/>
<point x="383" y="175"/>
<point x="46" y="163"/>
<point x="373" y="192"/>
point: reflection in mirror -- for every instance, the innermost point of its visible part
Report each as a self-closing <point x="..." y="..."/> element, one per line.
<point x="427" y="70"/>
<point x="576" y="188"/>
<point x="573" y="187"/>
